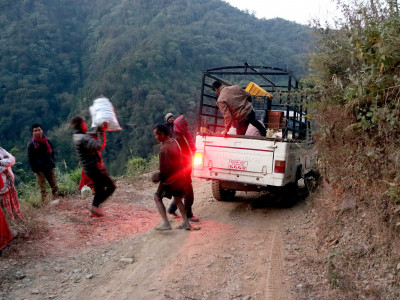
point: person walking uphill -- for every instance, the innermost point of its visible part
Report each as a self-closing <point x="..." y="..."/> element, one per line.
<point x="171" y="177"/>
<point x="88" y="149"/>
<point x="236" y="108"/>
<point x="41" y="160"/>
<point x="185" y="141"/>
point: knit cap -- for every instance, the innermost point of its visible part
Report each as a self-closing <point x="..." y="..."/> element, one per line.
<point x="167" y="116"/>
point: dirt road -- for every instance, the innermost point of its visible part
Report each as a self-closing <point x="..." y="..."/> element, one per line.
<point x="246" y="249"/>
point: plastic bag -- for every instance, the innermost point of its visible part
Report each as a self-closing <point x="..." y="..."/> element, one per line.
<point x="103" y="111"/>
<point x="86" y="192"/>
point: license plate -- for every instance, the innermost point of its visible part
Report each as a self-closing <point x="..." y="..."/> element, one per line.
<point x="240" y="165"/>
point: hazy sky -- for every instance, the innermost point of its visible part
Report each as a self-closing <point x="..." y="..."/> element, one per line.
<point x="300" y="11"/>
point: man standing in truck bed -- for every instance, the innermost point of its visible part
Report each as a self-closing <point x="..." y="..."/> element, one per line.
<point x="236" y="108"/>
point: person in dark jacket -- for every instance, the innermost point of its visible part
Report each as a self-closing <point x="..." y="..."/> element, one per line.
<point x="171" y="177"/>
<point x="88" y="149"/>
<point x="185" y="141"/>
<point x="41" y="160"/>
<point x="169" y="122"/>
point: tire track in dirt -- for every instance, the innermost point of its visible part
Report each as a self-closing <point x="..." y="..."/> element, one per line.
<point x="276" y="288"/>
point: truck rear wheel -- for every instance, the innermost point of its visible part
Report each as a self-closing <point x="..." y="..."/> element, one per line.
<point x="290" y="194"/>
<point x="310" y="181"/>
<point x="221" y="194"/>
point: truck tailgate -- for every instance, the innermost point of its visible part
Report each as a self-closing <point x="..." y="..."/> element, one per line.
<point x="235" y="156"/>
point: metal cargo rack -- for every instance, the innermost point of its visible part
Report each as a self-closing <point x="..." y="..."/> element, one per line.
<point x="281" y="83"/>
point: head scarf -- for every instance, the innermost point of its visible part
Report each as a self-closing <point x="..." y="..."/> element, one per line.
<point x="181" y="127"/>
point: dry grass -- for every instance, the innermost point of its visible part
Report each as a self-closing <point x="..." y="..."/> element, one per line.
<point x="32" y="226"/>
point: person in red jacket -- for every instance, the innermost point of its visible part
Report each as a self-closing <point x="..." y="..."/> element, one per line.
<point x="185" y="141"/>
<point x="171" y="177"/>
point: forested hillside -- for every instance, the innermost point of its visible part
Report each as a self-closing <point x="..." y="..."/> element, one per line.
<point x="147" y="56"/>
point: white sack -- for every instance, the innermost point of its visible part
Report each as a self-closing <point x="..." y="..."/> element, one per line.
<point x="103" y="111"/>
<point x="232" y="130"/>
<point x="252" y="130"/>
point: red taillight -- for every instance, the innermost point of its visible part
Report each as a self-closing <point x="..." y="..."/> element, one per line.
<point x="280" y="166"/>
<point x="198" y="159"/>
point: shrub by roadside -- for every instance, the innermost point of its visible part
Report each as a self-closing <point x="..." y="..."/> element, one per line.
<point x="137" y="165"/>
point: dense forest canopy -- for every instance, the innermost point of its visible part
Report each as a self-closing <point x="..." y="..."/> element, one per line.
<point x="147" y="56"/>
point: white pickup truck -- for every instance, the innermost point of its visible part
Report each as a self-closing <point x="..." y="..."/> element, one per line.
<point x="255" y="163"/>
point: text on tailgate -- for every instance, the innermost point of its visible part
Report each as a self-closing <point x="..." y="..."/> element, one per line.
<point x="240" y="165"/>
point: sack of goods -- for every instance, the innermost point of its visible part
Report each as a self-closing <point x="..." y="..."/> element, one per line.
<point x="103" y="111"/>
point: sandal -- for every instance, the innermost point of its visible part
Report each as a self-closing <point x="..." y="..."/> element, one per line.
<point x="96" y="212"/>
<point x="184" y="226"/>
<point x="92" y="215"/>
<point x="163" y="227"/>
<point x="193" y="219"/>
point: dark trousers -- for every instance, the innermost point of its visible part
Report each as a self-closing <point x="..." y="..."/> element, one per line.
<point x="103" y="185"/>
<point x="242" y="125"/>
<point x="188" y="199"/>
